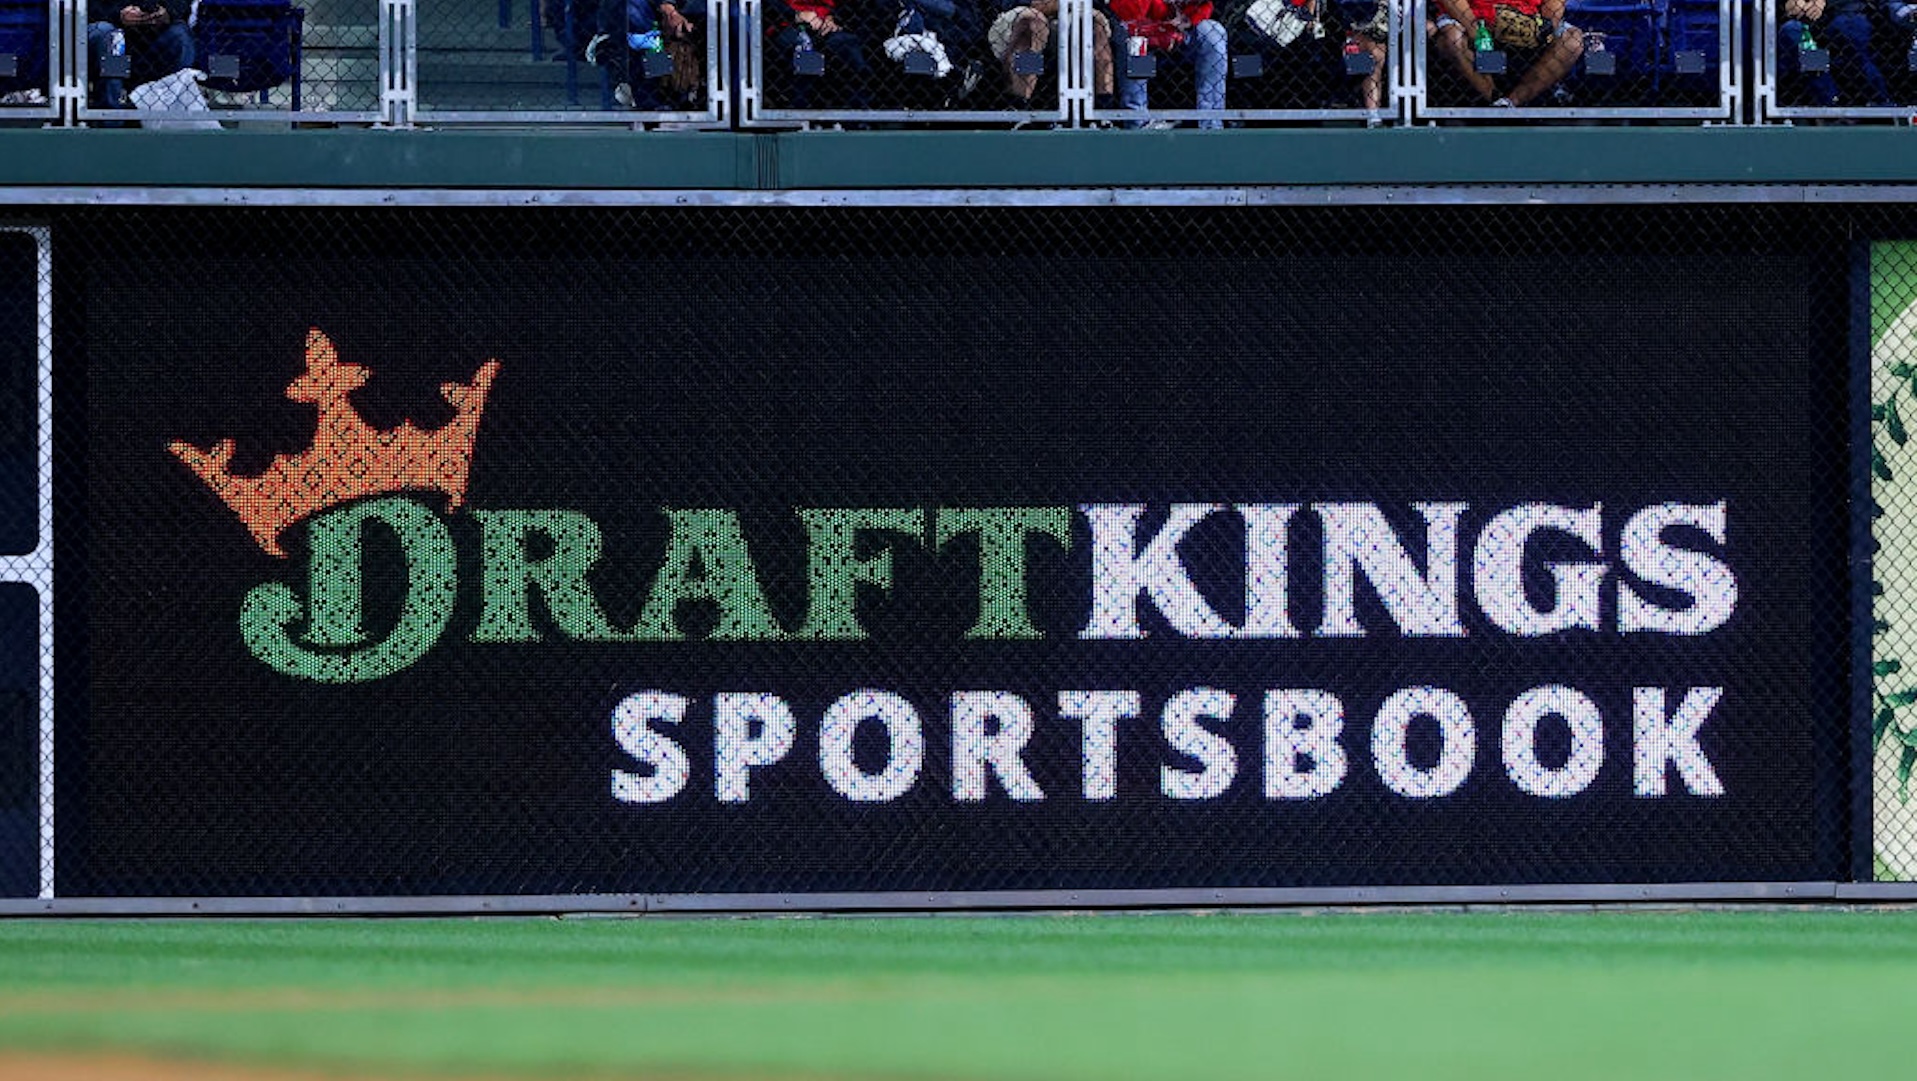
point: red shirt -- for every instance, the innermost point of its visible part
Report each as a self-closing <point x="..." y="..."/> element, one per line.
<point x="1486" y="10"/>
<point x="1131" y="11"/>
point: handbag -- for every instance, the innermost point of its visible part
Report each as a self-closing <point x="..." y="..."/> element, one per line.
<point x="1519" y="29"/>
<point x="1281" y="21"/>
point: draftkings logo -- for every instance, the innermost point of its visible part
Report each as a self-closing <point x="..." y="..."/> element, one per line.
<point x="1534" y="571"/>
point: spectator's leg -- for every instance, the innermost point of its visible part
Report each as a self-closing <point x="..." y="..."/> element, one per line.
<point x="1031" y="32"/>
<point x="1133" y="94"/>
<point x="171" y="49"/>
<point x="111" y="93"/>
<point x="1850" y="38"/>
<point x="845" y="65"/>
<point x="644" y="91"/>
<point x="1207" y="47"/>
<point x="1822" y="89"/>
<point x="1551" y="66"/>
<point x="612" y="55"/>
<point x="1449" y="43"/>
<point x="782" y="45"/>
<point x="1101" y="56"/>
<point x="1371" y="87"/>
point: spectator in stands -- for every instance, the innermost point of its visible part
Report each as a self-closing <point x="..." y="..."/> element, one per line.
<point x="1304" y="42"/>
<point x="153" y="33"/>
<point x="797" y="26"/>
<point x="1181" y="29"/>
<point x="627" y="29"/>
<point x="1027" y="26"/>
<point x="949" y="35"/>
<point x="1539" y="46"/>
<point x="1842" y="27"/>
<point x="1373" y="35"/>
<point x="573" y="24"/>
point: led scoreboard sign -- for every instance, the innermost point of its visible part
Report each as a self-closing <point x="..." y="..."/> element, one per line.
<point x="442" y="595"/>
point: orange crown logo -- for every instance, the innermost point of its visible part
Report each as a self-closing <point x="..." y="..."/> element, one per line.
<point x="349" y="459"/>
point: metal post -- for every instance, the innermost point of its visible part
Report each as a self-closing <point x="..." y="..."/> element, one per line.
<point x="1076" y="78"/>
<point x="67" y="61"/>
<point x="398" y="63"/>
<point x="36" y="568"/>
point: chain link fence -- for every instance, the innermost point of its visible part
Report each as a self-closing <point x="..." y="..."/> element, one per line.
<point x="631" y="61"/>
<point x="26" y="554"/>
<point x="1581" y="60"/>
<point x="1837" y="59"/>
<point x="957" y="63"/>
<point x="1248" y="548"/>
<point x="1893" y="379"/>
<point x="207" y="63"/>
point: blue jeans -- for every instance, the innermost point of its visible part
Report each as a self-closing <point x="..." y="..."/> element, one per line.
<point x="845" y="68"/>
<point x="152" y="55"/>
<point x="1204" y="49"/>
<point x="1847" y="36"/>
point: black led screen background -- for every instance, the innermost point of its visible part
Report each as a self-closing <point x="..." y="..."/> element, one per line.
<point x="19" y="532"/>
<point x="19" y="391"/>
<point x="19" y="741"/>
<point x="766" y="361"/>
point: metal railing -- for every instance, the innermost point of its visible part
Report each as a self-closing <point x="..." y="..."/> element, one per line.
<point x="319" y="61"/>
<point x="573" y="61"/>
<point x="1266" y="62"/>
<point x="1016" y="67"/>
<point x="1614" y="60"/>
<point x="30" y="59"/>
<point x="993" y="64"/>
<point x="1835" y="60"/>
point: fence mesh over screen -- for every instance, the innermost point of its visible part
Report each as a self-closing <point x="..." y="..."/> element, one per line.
<point x="408" y="552"/>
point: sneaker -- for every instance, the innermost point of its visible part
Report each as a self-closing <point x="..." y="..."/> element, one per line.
<point x="1158" y="125"/>
<point x="1503" y="103"/>
<point x="623" y="95"/>
<point x="974" y="73"/>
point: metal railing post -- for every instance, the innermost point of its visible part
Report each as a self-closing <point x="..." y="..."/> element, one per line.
<point x="67" y="58"/>
<point x="398" y="63"/>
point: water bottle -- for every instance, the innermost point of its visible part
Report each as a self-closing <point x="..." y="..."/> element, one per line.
<point x="116" y="43"/>
<point x="1482" y="41"/>
<point x="1807" y="43"/>
<point x="648" y="42"/>
<point x="804" y="46"/>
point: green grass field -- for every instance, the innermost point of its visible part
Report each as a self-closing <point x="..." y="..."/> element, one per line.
<point x="1557" y="996"/>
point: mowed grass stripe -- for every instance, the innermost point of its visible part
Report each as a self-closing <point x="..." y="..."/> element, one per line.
<point x="1562" y="996"/>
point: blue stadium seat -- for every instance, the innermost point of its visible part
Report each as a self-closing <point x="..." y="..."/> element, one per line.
<point x="1692" y="49"/>
<point x="1629" y="32"/>
<point x="251" y="45"/>
<point x="23" y="45"/>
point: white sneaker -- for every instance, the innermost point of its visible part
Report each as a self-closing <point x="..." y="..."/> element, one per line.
<point x="623" y="95"/>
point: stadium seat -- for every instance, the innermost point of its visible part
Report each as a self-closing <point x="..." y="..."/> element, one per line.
<point x="23" y="45"/>
<point x="251" y="45"/>
<point x="1628" y="31"/>
<point x="1692" y="51"/>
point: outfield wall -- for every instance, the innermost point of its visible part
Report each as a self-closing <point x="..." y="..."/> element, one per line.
<point x="892" y="556"/>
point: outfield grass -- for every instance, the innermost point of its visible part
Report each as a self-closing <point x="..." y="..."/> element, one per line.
<point x="1556" y="997"/>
